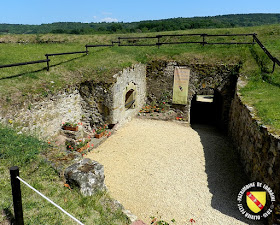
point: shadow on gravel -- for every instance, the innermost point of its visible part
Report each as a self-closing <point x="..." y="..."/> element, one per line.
<point x="224" y="171"/>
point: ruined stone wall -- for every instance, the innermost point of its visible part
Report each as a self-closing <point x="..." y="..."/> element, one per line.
<point x="45" y="117"/>
<point x="131" y="78"/>
<point x="204" y="79"/>
<point x="89" y="102"/>
<point x="258" y="148"/>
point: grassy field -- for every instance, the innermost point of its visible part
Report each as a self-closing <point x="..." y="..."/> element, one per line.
<point x="25" y="152"/>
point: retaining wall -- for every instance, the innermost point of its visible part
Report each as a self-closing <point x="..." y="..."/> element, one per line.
<point x="45" y="117"/>
<point x="259" y="149"/>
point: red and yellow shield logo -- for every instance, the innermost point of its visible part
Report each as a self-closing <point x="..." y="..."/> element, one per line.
<point x="256" y="200"/>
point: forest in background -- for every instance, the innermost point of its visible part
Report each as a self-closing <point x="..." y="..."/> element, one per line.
<point x="224" y="21"/>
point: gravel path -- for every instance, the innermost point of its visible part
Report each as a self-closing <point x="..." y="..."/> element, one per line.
<point x="159" y="168"/>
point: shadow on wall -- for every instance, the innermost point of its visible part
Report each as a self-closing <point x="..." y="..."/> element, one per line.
<point x="225" y="174"/>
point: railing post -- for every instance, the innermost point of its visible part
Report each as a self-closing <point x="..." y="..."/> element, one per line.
<point x="254" y="35"/>
<point x="14" y="172"/>
<point x="48" y="64"/>
<point x="273" y="66"/>
<point x="203" y="39"/>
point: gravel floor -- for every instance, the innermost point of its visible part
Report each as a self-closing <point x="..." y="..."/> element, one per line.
<point x="159" y="168"/>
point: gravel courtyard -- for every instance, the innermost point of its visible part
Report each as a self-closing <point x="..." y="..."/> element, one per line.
<point x="159" y="168"/>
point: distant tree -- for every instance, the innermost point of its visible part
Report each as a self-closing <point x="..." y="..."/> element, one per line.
<point x="58" y="31"/>
<point x="180" y="23"/>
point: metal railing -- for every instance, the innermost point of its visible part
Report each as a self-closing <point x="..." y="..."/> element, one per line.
<point x="134" y="41"/>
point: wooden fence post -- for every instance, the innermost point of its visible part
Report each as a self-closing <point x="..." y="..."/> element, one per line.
<point x="14" y="172"/>
<point x="203" y="37"/>
<point x="48" y="62"/>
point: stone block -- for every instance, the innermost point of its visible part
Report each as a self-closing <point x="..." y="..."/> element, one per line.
<point x="88" y="175"/>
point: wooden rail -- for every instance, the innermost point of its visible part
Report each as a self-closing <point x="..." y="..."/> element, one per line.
<point x="202" y="42"/>
<point x="134" y="41"/>
<point x="24" y="63"/>
<point x="273" y="59"/>
<point x="64" y="53"/>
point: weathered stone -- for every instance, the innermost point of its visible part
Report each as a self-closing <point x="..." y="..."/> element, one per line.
<point x="257" y="146"/>
<point x="130" y="216"/>
<point x="204" y="79"/>
<point x="88" y="175"/>
<point x="60" y="140"/>
<point x="89" y="102"/>
<point x="270" y="171"/>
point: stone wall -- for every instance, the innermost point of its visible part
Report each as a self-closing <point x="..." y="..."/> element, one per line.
<point x="45" y="117"/>
<point x="258" y="148"/>
<point x="204" y="79"/>
<point x="88" y="103"/>
<point x="105" y="102"/>
<point x="131" y="78"/>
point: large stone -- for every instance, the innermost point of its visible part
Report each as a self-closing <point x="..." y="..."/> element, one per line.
<point x="88" y="175"/>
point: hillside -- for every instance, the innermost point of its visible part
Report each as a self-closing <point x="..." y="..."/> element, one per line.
<point x="172" y="24"/>
<point x="22" y="84"/>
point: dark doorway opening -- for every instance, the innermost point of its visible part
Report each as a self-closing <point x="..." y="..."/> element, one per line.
<point x="129" y="99"/>
<point x="206" y="109"/>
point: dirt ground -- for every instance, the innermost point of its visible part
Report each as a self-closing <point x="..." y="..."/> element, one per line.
<point x="166" y="169"/>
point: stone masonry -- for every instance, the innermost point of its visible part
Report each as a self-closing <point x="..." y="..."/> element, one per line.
<point x="204" y="79"/>
<point x="258" y="148"/>
<point x="88" y="103"/>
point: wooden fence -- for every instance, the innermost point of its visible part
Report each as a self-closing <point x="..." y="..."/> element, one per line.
<point x="134" y="41"/>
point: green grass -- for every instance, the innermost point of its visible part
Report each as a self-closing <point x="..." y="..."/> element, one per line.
<point x="25" y="152"/>
<point x="263" y="93"/>
<point x="20" y="84"/>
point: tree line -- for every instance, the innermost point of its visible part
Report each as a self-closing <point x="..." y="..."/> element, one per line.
<point x="224" y="21"/>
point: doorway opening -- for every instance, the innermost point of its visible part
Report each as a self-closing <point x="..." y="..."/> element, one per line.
<point x="206" y="109"/>
<point x="130" y="99"/>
